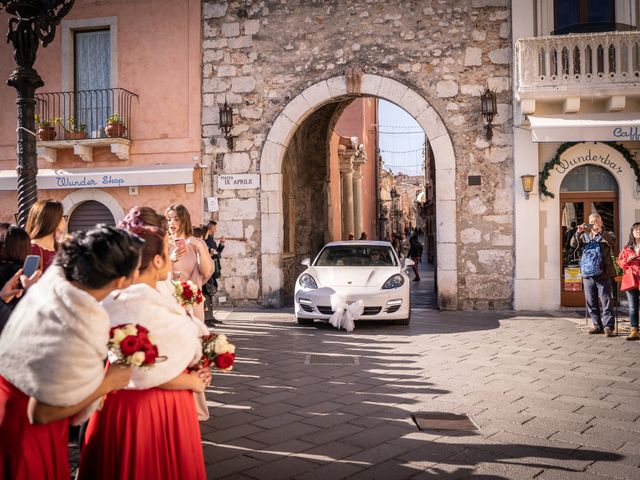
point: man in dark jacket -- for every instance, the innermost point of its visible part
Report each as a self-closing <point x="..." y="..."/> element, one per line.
<point x="215" y="250"/>
<point x="599" y="286"/>
<point x="415" y="252"/>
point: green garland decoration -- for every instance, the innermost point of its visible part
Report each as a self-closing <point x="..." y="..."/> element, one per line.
<point x="546" y="170"/>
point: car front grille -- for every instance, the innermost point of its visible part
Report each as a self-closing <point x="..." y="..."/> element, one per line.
<point x="306" y="308"/>
<point x="325" y="310"/>
<point x="371" y="310"/>
<point x="393" y="308"/>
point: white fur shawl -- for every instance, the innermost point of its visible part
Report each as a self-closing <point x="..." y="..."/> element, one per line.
<point x="170" y="328"/>
<point x="55" y="342"/>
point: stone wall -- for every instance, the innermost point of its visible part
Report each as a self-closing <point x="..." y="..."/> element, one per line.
<point x="261" y="55"/>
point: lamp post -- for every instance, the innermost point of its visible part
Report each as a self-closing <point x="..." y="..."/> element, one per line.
<point x="32" y="22"/>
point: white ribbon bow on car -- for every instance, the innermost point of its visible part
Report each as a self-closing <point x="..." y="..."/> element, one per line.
<point x="345" y="315"/>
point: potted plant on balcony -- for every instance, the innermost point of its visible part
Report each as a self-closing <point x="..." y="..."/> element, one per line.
<point x="115" y="126"/>
<point x="46" y="127"/>
<point x="75" y="131"/>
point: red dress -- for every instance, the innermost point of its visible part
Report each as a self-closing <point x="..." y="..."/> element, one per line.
<point x="46" y="256"/>
<point x="30" y="451"/>
<point x="150" y="433"/>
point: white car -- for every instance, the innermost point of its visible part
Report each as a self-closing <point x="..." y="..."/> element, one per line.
<point x="345" y="272"/>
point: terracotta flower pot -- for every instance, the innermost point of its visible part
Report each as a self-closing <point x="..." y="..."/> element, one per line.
<point x="115" y="130"/>
<point x="75" y="135"/>
<point x="46" y="134"/>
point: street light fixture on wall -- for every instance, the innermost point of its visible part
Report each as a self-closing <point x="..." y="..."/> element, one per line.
<point x="33" y="22"/>
<point x="226" y="123"/>
<point x="489" y="106"/>
<point x="527" y="184"/>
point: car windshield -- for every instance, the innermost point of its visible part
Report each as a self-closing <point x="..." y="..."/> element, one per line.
<point x="356" y="256"/>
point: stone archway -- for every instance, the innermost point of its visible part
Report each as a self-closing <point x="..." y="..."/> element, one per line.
<point x="274" y="150"/>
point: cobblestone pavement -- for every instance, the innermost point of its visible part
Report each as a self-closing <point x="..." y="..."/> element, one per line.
<point x="550" y="401"/>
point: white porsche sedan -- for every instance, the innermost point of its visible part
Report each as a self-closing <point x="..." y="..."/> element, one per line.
<point x="345" y="272"/>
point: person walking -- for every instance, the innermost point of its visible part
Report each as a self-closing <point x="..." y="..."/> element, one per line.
<point x="45" y="225"/>
<point x="52" y="353"/>
<point x="629" y="261"/>
<point x="415" y="252"/>
<point x="189" y="255"/>
<point x="215" y="252"/>
<point x="597" y="268"/>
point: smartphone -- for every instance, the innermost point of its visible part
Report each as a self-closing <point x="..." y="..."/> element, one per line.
<point x="31" y="264"/>
<point x="181" y="244"/>
<point x="588" y="225"/>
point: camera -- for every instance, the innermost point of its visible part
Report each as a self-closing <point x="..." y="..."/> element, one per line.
<point x="588" y="226"/>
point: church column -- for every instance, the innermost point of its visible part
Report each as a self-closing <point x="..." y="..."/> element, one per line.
<point x="358" y="161"/>
<point x="346" y="178"/>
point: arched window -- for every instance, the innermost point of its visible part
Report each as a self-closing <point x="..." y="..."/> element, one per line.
<point x="589" y="178"/>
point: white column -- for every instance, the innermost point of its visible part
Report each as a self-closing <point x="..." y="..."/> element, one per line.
<point x="359" y="160"/>
<point x="346" y="177"/>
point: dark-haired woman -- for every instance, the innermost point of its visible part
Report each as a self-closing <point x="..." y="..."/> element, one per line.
<point x="158" y="401"/>
<point x="629" y="261"/>
<point x="189" y="255"/>
<point x="15" y="245"/>
<point x="52" y="352"/>
<point x="45" y="224"/>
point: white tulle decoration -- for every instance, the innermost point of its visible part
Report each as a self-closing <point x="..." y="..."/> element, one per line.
<point x="345" y="315"/>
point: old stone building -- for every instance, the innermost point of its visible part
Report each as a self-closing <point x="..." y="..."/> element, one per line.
<point x="289" y="68"/>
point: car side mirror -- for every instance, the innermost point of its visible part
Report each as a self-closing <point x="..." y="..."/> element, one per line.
<point x="306" y="262"/>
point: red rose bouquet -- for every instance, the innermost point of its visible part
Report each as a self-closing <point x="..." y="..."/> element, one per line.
<point x="187" y="293"/>
<point x="217" y="350"/>
<point x="132" y="345"/>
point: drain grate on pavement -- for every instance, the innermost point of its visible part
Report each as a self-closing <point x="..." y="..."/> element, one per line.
<point x="443" y="421"/>
<point x="317" y="359"/>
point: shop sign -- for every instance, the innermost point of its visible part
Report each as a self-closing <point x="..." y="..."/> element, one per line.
<point x="104" y="178"/>
<point x="603" y="159"/>
<point x="239" y="181"/>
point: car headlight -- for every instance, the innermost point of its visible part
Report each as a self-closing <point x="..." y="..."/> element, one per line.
<point x="393" y="282"/>
<point x="307" y="281"/>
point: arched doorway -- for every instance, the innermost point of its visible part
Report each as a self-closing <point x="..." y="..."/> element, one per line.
<point x="585" y="190"/>
<point x="88" y="214"/>
<point x="319" y="104"/>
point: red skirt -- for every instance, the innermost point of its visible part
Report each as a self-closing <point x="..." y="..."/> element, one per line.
<point x="30" y="451"/>
<point x="150" y="433"/>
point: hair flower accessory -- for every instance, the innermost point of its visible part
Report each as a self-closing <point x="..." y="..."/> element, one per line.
<point x="131" y="219"/>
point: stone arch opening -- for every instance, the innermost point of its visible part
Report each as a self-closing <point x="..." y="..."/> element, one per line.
<point x="318" y="106"/>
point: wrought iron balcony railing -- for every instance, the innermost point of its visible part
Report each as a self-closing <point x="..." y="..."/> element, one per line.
<point x="567" y="64"/>
<point x="86" y="113"/>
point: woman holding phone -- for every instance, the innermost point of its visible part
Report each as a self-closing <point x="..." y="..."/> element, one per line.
<point x="52" y="352"/>
<point x="189" y="255"/>
<point x="15" y="247"/>
<point x="629" y="261"/>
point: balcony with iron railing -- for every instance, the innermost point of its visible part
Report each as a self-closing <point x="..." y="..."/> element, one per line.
<point x="83" y="120"/>
<point x="600" y="65"/>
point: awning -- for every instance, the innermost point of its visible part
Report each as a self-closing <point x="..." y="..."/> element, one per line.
<point x="103" y="177"/>
<point x="600" y="127"/>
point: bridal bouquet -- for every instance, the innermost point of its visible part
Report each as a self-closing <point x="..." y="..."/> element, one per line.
<point x="187" y="293"/>
<point x="132" y="345"/>
<point x="217" y="350"/>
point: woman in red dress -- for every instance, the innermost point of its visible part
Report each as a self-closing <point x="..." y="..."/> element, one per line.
<point x="150" y="429"/>
<point x="45" y="224"/>
<point x="52" y="353"/>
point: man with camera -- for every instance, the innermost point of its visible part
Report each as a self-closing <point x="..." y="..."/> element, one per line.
<point x="596" y="265"/>
<point x="215" y="250"/>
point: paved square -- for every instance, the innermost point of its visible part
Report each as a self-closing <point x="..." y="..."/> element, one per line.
<point x="550" y="401"/>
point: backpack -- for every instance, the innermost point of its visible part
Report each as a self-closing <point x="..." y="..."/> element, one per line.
<point x="591" y="260"/>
